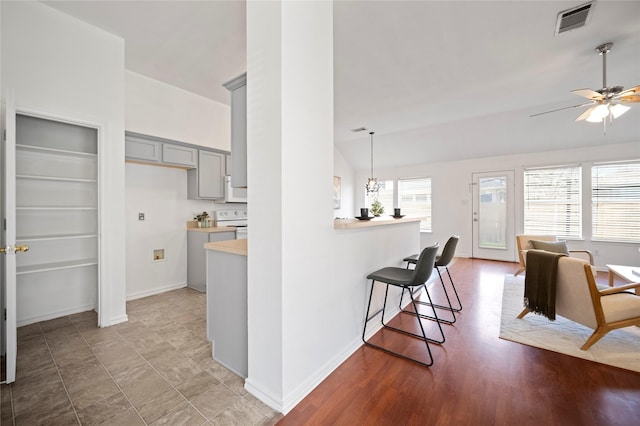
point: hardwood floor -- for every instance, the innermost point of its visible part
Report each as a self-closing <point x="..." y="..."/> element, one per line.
<point x="476" y="378"/>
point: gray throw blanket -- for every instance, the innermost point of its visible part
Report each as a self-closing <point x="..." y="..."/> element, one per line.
<point x="540" y="282"/>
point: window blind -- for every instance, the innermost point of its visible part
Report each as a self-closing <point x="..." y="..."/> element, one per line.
<point x="414" y="198"/>
<point x="552" y="201"/>
<point x="615" y="198"/>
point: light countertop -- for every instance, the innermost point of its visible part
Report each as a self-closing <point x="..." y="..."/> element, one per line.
<point x="376" y="221"/>
<point x="192" y="225"/>
<point x="229" y="246"/>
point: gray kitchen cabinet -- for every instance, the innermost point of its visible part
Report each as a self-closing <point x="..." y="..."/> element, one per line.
<point x="227" y="309"/>
<point x="238" y="89"/>
<point x="137" y="148"/>
<point x="206" y="182"/>
<point x="196" y="256"/>
<point x="179" y="155"/>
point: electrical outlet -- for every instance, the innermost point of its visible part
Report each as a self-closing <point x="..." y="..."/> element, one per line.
<point x="140" y="216"/>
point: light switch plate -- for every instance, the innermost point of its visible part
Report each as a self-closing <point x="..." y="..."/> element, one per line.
<point x="140" y="216"/>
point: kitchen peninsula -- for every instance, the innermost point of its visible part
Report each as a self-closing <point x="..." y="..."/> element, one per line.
<point x="227" y="303"/>
<point x="376" y="221"/>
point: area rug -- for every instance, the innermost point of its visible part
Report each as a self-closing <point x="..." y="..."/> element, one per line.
<point x="620" y="348"/>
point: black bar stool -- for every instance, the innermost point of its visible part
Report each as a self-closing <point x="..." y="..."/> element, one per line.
<point x="448" y="252"/>
<point x="407" y="279"/>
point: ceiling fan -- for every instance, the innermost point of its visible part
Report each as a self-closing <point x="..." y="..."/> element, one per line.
<point x="607" y="103"/>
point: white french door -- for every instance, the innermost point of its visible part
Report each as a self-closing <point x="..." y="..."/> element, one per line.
<point x="494" y="215"/>
<point x="9" y="249"/>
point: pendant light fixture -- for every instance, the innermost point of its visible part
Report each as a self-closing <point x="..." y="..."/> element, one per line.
<point x="372" y="185"/>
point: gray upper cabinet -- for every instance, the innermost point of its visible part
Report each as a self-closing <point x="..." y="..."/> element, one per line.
<point x="238" y="88"/>
<point x="137" y="148"/>
<point x="207" y="181"/>
<point x="179" y="155"/>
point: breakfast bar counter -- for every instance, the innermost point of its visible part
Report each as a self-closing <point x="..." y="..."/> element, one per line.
<point x="376" y="221"/>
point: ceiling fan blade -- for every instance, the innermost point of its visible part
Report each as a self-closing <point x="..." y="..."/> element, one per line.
<point x="560" y="109"/>
<point x="628" y="99"/>
<point x="631" y="91"/>
<point x="588" y="93"/>
<point x="585" y="114"/>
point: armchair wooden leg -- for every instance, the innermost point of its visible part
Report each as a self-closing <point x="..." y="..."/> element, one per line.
<point x="597" y="335"/>
<point x="518" y="271"/>
<point x="524" y="312"/>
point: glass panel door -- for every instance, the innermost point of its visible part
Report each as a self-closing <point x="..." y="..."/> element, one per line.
<point x="493" y="215"/>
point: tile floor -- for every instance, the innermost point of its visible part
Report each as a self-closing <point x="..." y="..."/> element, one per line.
<point x="154" y="369"/>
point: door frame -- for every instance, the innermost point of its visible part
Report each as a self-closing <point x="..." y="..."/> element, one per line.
<point x="507" y="254"/>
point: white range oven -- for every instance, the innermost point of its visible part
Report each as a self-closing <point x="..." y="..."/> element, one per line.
<point x="233" y="218"/>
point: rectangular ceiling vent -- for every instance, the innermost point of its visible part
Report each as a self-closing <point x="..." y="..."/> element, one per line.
<point x="574" y="18"/>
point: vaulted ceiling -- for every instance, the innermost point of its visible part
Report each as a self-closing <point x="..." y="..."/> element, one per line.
<point x="436" y="80"/>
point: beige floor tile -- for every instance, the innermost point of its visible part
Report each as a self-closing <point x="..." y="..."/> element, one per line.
<point x="78" y="354"/>
<point x="33" y="360"/>
<point x="42" y="397"/>
<point x="126" y="373"/>
<point x="6" y="410"/>
<point x="129" y="417"/>
<point x="104" y="410"/>
<point x="28" y="384"/>
<point x="182" y="414"/>
<point x="155" y="369"/>
<point x="270" y="419"/>
<point x="215" y="401"/>
<point x="57" y="415"/>
<point x="236" y="384"/>
<point x="91" y="392"/>
<point x="240" y="413"/>
<point x="94" y="335"/>
<point x="196" y="385"/>
<point x="160" y="406"/>
<point x="263" y="408"/>
<point x="27" y="331"/>
<point x="53" y="324"/>
<point x="145" y="388"/>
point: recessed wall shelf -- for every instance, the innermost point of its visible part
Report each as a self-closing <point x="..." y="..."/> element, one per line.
<point x="56" y="215"/>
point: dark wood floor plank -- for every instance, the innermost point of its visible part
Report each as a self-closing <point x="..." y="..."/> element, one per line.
<point x="476" y="378"/>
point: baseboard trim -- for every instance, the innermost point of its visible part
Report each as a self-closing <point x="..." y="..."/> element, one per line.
<point x="118" y="320"/>
<point x="305" y="388"/>
<point x="154" y="291"/>
<point x="263" y="395"/>
<point x="54" y="315"/>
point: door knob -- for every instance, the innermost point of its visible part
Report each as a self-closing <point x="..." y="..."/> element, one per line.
<point x="10" y="249"/>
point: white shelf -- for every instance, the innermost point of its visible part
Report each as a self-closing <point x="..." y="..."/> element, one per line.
<point x="58" y="208"/>
<point x="54" y="151"/>
<point x="45" y="267"/>
<point x="55" y="237"/>
<point x="55" y="179"/>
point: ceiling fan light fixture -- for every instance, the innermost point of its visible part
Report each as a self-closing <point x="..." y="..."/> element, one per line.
<point x="617" y="110"/>
<point x="598" y="113"/>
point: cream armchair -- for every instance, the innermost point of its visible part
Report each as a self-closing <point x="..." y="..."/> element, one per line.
<point x="523" y="242"/>
<point x="579" y="299"/>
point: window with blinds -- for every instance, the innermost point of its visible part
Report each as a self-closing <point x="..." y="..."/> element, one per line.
<point x="615" y="199"/>
<point x="414" y="198"/>
<point x="385" y="196"/>
<point x="553" y="201"/>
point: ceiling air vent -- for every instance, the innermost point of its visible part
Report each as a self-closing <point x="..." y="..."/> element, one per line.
<point x="574" y="18"/>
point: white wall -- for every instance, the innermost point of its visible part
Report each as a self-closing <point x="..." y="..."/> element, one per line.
<point x="64" y="67"/>
<point x="161" y="194"/>
<point x="347" y="176"/>
<point x="452" y="197"/>
<point x="157" y="109"/>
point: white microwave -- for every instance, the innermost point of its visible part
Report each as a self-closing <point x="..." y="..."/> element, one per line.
<point x="233" y="195"/>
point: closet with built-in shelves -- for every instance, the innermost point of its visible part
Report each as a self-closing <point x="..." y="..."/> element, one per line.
<point x="57" y="217"/>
